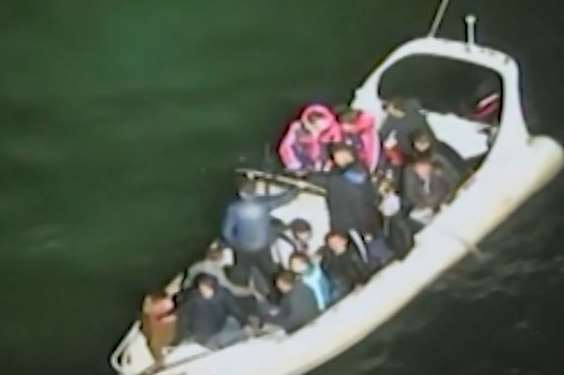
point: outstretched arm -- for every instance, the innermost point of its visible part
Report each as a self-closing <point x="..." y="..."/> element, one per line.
<point x="275" y="201"/>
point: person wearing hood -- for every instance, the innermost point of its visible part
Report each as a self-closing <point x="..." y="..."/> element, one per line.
<point x="311" y="274"/>
<point x="350" y="195"/>
<point x="302" y="148"/>
<point x="208" y="314"/>
<point x="357" y="131"/>
<point x="297" y="306"/>
<point x="248" y="229"/>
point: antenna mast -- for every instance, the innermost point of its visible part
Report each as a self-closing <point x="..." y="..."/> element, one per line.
<point x="438" y="18"/>
<point x="471" y="29"/>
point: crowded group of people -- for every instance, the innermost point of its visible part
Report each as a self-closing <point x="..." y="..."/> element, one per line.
<point x="382" y="184"/>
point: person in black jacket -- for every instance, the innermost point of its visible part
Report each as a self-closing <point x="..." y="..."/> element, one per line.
<point x="297" y="306"/>
<point x="439" y="153"/>
<point x="426" y="188"/>
<point x="343" y="265"/>
<point x="350" y="195"/>
<point x="209" y="314"/>
<point x="404" y="118"/>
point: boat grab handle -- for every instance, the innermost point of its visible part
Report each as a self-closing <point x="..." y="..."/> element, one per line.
<point x="114" y="359"/>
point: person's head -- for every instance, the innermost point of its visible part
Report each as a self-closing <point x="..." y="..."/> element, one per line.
<point x="342" y="155"/>
<point x="219" y="254"/>
<point x="337" y="241"/>
<point x="422" y="141"/>
<point x="347" y="119"/>
<point x="423" y="168"/>
<point x="206" y="285"/>
<point x="153" y="298"/>
<point x="395" y="107"/>
<point x="313" y="121"/>
<point x="246" y="187"/>
<point x="386" y="186"/>
<point x="215" y="252"/>
<point x="299" y="263"/>
<point x="285" y="281"/>
<point x="301" y="230"/>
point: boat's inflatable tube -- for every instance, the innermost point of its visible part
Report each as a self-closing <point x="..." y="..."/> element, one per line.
<point x="495" y="191"/>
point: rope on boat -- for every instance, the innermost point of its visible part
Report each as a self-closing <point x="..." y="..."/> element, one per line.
<point x="438" y="18"/>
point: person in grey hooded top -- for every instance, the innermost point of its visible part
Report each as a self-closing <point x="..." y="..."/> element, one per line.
<point x="248" y="229"/>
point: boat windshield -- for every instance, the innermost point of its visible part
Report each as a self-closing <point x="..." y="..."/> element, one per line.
<point x="446" y="86"/>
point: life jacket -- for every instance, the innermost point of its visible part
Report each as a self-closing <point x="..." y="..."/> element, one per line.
<point x="364" y="139"/>
<point x="300" y="149"/>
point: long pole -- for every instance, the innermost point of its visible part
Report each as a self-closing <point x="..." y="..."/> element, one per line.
<point x="438" y="18"/>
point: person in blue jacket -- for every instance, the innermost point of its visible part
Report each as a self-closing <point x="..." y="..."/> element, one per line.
<point x="248" y="229"/>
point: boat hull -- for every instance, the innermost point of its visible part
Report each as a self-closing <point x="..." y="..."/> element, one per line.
<point x="493" y="193"/>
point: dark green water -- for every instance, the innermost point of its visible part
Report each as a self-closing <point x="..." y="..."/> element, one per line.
<point x="120" y="124"/>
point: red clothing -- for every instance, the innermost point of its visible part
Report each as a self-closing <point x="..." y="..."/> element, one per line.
<point x="364" y="138"/>
<point x="158" y="323"/>
<point x="394" y="156"/>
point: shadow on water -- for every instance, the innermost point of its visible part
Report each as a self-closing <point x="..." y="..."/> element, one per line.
<point x="122" y="121"/>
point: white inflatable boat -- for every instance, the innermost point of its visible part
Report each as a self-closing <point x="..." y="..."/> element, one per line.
<point x="515" y="167"/>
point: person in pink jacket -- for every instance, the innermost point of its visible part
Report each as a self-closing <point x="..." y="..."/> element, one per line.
<point x="303" y="146"/>
<point x="357" y="130"/>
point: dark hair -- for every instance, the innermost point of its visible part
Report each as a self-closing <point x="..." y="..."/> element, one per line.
<point x="246" y="185"/>
<point x="338" y="147"/>
<point x="301" y="256"/>
<point x="285" y="276"/>
<point x="397" y="102"/>
<point x="300" y="225"/>
<point x="349" y="116"/>
<point x="335" y="233"/>
<point x="214" y="252"/>
<point x="421" y="134"/>
<point x="205" y="279"/>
